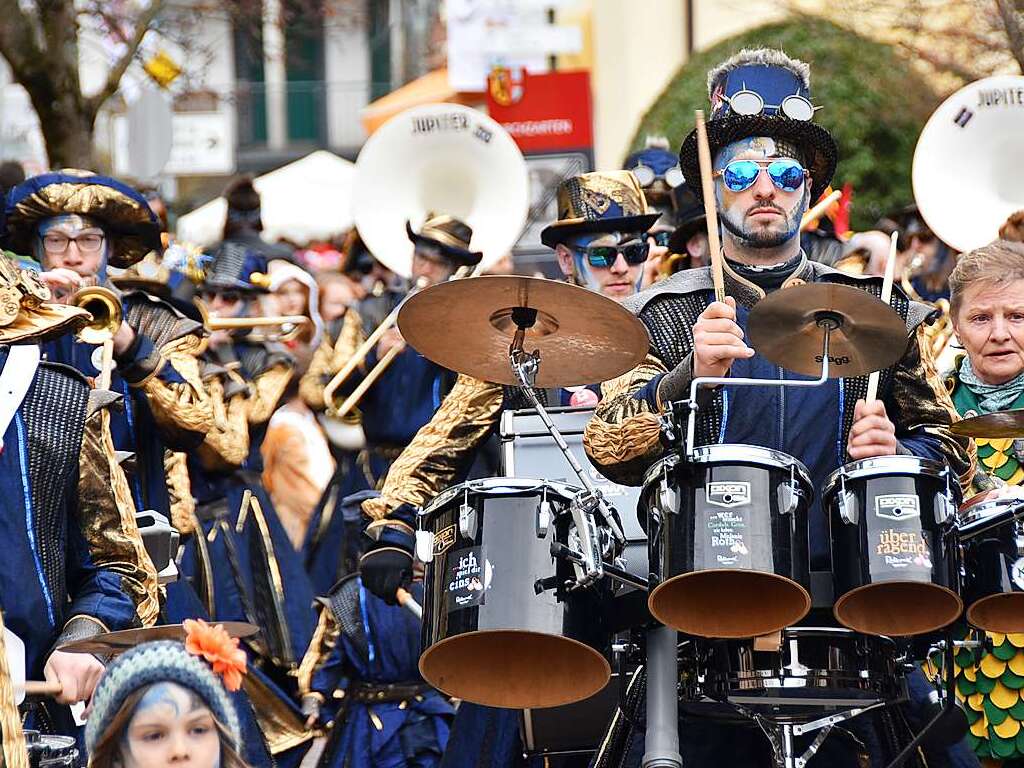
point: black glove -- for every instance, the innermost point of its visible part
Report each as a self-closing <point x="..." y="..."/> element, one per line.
<point x="387" y="564"/>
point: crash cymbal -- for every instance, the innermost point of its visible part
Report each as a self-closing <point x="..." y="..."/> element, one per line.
<point x="788" y="328"/>
<point x="998" y="425"/>
<point x="467" y="326"/>
<point x="119" y="642"/>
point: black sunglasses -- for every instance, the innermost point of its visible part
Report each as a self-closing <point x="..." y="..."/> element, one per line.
<point x="605" y="255"/>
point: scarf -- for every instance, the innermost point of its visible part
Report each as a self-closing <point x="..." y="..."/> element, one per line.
<point x="991" y="397"/>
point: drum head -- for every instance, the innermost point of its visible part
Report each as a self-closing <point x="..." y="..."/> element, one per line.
<point x="515" y="669"/>
<point x="729" y="604"/>
<point x="898" y="608"/>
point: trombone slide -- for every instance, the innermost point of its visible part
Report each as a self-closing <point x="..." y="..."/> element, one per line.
<point x="357" y="394"/>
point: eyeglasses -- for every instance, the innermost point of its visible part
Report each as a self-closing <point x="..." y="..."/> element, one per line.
<point x="647" y="175"/>
<point x="746" y="102"/>
<point x="661" y="237"/>
<point x="605" y="255"/>
<point x="227" y="297"/>
<point x="786" y="174"/>
<point x="54" y="242"/>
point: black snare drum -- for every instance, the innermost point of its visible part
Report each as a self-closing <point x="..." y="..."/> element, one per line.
<point x="891" y="555"/>
<point x="499" y="626"/>
<point x="991" y="534"/>
<point x="46" y="751"/>
<point x="728" y="538"/>
<point x="810" y="668"/>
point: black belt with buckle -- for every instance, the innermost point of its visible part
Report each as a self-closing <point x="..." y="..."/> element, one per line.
<point x="370" y="693"/>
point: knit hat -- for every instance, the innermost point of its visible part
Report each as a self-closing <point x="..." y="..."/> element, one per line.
<point x="158" y="662"/>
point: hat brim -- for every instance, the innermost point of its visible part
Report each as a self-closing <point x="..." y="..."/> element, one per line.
<point x="463" y="257"/>
<point x="682" y="234"/>
<point x="816" y="144"/>
<point x="559" y="231"/>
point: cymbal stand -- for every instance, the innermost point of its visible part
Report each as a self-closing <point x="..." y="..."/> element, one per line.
<point x="590" y="564"/>
<point x="827" y="321"/>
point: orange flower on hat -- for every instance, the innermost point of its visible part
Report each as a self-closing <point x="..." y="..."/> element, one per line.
<point x="214" y="644"/>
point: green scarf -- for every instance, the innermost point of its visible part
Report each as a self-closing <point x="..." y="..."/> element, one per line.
<point x="991" y="397"/>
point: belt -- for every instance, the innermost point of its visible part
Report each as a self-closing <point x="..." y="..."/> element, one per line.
<point x="378" y="693"/>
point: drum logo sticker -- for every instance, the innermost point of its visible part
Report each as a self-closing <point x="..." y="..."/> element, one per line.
<point x="727" y="539"/>
<point x="902" y="549"/>
<point x="444" y="540"/>
<point x="469" y="577"/>
<point x="898" y="506"/>
<point x="728" y="494"/>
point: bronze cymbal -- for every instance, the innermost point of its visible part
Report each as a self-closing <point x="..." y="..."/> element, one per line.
<point x="467" y="326"/>
<point x="998" y="425"/>
<point x="119" y="642"/>
<point x="787" y="327"/>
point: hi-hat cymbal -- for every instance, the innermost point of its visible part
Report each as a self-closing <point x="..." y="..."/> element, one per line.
<point x="467" y="326"/>
<point x="788" y="328"/>
<point x="119" y="642"/>
<point x="998" y="425"/>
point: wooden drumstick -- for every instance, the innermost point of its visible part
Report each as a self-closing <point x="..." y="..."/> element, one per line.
<point x="710" y="212"/>
<point x="812" y="215"/>
<point x="890" y="271"/>
<point x="407" y="601"/>
<point x="42" y="688"/>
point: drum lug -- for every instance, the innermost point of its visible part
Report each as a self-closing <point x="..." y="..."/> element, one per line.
<point x="848" y="507"/>
<point x="944" y="508"/>
<point x="543" y="519"/>
<point x="667" y="502"/>
<point x="467" y="521"/>
<point x="789" y="498"/>
<point x="425" y="546"/>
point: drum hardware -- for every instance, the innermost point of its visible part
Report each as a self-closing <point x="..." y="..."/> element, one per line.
<point x="990" y="534"/>
<point x="50" y="751"/>
<point x="126" y="639"/>
<point x="661" y="740"/>
<point x="407" y="601"/>
<point x="615" y="571"/>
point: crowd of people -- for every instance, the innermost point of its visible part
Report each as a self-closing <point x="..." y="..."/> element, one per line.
<point x="256" y="398"/>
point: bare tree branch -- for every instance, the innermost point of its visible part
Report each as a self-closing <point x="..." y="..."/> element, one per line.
<point x="1011" y="18"/>
<point x="142" y="24"/>
<point x="18" y="37"/>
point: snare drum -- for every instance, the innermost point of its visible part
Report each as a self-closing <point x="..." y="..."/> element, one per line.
<point x="728" y="537"/>
<point x="991" y="534"/>
<point x="45" y="751"/>
<point x="891" y="556"/>
<point x="499" y="626"/>
<point x="810" y="668"/>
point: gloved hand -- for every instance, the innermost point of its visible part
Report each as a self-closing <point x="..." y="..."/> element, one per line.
<point x="387" y="564"/>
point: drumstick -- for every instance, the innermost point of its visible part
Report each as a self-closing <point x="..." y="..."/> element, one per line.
<point x="813" y="214"/>
<point x="708" y="186"/>
<point x="408" y="602"/>
<point x="890" y="271"/>
<point x="41" y="688"/>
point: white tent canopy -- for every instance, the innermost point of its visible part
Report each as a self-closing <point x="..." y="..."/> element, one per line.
<point x="310" y="199"/>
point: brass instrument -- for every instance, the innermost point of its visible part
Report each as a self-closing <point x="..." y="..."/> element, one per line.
<point x="290" y="326"/>
<point x="107" y="316"/>
<point x="939" y="334"/>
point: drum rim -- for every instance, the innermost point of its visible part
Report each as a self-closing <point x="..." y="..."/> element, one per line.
<point x="990" y="507"/>
<point x="742" y="452"/>
<point x="521" y="486"/>
<point x="875" y="467"/>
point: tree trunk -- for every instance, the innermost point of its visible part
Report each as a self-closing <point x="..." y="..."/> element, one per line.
<point x="67" y="130"/>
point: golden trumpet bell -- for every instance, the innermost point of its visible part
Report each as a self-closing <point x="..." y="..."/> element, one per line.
<point x="105" y="308"/>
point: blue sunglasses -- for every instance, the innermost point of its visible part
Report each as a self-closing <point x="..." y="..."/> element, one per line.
<point x="786" y="174"/>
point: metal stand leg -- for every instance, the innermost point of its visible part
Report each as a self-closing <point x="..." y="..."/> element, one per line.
<point x="661" y="743"/>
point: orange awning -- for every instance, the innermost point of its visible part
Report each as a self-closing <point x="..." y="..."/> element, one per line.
<point x="432" y="88"/>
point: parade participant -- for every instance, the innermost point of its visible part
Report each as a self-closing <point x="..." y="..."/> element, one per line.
<point x="295" y="292"/>
<point x="688" y="246"/>
<point x="74" y="563"/>
<point x="92" y="226"/>
<point x="928" y="260"/>
<point x="244" y="221"/>
<point x="987" y="306"/>
<point x="657" y="170"/>
<point x="337" y="294"/>
<point x="770" y="161"/>
<point x="401" y="401"/>
<point x="166" y="703"/>
<point x="599" y="239"/>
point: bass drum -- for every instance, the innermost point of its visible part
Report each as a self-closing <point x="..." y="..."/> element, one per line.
<point x="892" y="558"/>
<point x="991" y="533"/>
<point x="500" y="628"/>
<point x="728" y="539"/>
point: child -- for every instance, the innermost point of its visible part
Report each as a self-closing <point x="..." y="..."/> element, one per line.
<point x="165" y="703"/>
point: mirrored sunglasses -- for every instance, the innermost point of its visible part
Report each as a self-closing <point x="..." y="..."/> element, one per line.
<point x="786" y="174"/>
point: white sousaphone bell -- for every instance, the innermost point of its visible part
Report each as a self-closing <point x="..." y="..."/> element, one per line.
<point x="967" y="165"/>
<point x="444" y="159"/>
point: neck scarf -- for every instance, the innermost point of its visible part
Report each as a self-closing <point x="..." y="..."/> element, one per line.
<point x="991" y="397"/>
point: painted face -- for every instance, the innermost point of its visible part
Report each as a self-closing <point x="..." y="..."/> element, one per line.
<point x="429" y="263"/>
<point x="618" y="281"/>
<point x="990" y="325"/>
<point x="73" y="242"/>
<point x="171" y="726"/>
<point x="292" y="298"/>
<point x="762" y="215"/>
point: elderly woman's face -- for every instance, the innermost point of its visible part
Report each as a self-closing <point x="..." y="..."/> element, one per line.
<point x="990" y="325"/>
<point x="171" y="726"/>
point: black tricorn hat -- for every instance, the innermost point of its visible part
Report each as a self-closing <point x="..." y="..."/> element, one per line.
<point x="448" y="234"/>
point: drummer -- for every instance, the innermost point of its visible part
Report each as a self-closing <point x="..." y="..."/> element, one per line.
<point x="987" y="306"/>
<point x="770" y="160"/>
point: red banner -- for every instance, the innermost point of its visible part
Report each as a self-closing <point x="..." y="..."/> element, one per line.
<point x="548" y="112"/>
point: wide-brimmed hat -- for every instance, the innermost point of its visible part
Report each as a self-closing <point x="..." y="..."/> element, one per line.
<point x="448" y="234"/>
<point x="603" y="201"/>
<point x="131" y="227"/>
<point x="690" y="217"/>
<point x="763" y="92"/>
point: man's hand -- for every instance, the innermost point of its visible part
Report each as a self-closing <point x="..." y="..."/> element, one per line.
<point x="718" y="340"/>
<point x="62" y="283"/>
<point x="78" y="674"/>
<point x="123" y="338"/>
<point x="391" y="338"/>
<point x="872" y="433"/>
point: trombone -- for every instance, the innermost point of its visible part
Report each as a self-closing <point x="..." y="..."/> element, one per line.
<point x="290" y="325"/>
